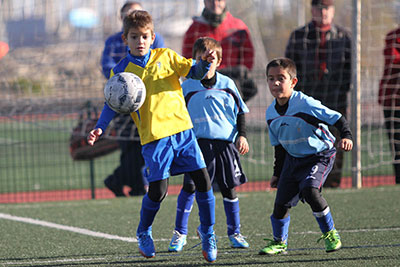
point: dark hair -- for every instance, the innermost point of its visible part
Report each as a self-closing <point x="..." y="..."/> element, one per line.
<point x="128" y="4"/>
<point x="203" y="44"/>
<point x="284" y="63"/>
<point x="138" y="19"/>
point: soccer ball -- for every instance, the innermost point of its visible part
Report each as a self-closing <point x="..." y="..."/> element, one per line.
<point x="125" y="92"/>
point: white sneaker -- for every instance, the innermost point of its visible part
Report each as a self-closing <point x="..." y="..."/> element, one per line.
<point x="177" y="242"/>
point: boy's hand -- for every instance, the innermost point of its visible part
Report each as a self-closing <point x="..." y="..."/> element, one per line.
<point x="94" y="135"/>
<point x="346" y="144"/>
<point x="209" y="56"/>
<point x="242" y="145"/>
<point x="274" y="181"/>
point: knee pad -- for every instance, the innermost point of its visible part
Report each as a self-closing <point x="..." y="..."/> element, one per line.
<point x="201" y="179"/>
<point x="229" y="193"/>
<point x="280" y="211"/>
<point x="314" y="198"/>
<point x="158" y="190"/>
<point x="189" y="188"/>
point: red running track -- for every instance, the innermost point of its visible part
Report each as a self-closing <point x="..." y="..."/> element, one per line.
<point x="104" y="193"/>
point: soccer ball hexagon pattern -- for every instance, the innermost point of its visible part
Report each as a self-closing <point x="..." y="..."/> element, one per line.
<point x="125" y="92"/>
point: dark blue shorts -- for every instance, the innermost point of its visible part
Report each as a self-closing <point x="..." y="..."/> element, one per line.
<point x="223" y="163"/>
<point x="299" y="173"/>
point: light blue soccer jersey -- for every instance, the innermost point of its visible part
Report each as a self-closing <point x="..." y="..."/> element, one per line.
<point x="214" y="110"/>
<point x="303" y="129"/>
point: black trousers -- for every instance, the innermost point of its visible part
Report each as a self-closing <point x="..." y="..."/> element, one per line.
<point x="392" y="125"/>
<point x="129" y="172"/>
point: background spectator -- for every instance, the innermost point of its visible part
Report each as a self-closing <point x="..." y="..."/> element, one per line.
<point x="389" y="95"/>
<point x="233" y="34"/>
<point x="322" y="53"/>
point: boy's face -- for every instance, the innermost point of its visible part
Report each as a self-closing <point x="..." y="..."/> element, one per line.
<point x="280" y="84"/>
<point x="139" y="40"/>
<point x="213" y="67"/>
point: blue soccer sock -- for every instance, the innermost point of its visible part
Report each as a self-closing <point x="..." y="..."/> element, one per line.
<point x="280" y="228"/>
<point x="147" y="214"/>
<point x="206" y="204"/>
<point x="183" y="209"/>
<point x="325" y="220"/>
<point x="232" y="209"/>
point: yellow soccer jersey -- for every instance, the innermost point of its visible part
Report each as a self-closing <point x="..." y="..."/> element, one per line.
<point x="164" y="111"/>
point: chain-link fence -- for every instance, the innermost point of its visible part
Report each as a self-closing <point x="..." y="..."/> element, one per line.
<point x="53" y="69"/>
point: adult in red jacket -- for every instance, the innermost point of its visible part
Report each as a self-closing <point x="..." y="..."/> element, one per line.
<point x="233" y="34"/>
<point x="389" y="95"/>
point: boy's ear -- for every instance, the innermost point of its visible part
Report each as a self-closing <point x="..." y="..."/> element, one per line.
<point x="219" y="62"/>
<point x="153" y="38"/>
<point x="124" y="39"/>
<point x="294" y="81"/>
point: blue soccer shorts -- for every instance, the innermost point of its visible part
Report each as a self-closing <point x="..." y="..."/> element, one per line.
<point x="172" y="155"/>
<point x="299" y="173"/>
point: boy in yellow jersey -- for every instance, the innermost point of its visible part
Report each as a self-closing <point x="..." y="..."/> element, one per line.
<point x="169" y="145"/>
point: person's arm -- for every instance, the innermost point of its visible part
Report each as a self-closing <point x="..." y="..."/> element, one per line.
<point x="241" y="141"/>
<point x="107" y="62"/>
<point x="391" y="54"/>
<point x="279" y="156"/>
<point x="346" y="142"/>
<point x="188" y="41"/>
<point x="107" y="114"/>
<point x="241" y="124"/>
<point x="344" y="128"/>
<point x="248" y="55"/>
<point x="347" y="70"/>
<point x="200" y="69"/>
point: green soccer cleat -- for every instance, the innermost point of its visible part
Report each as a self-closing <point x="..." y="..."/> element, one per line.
<point x="332" y="240"/>
<point x="274" y="248"/>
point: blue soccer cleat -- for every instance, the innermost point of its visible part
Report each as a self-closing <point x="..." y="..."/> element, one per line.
<point x="177" y="242"/>
<point x="209" y="245"/>
<point x="146" y="244"/>
<point x="238" y="241"/>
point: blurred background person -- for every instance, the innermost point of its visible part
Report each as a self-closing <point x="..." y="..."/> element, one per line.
<point x="389" y="95"/>
<point x="233" y="34"/>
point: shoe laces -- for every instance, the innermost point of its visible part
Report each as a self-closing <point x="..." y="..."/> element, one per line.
<point x="177" y="238"/>
<point x="331" y="236"/>
<point x="274" y="242"/>
<point x="145" y="239"/>
<point x="211" y="241"/>
<point x="239" y="237"/>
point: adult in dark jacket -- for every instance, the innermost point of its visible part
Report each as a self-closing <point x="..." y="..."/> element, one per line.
<point x="389" y="95"/>
<point x="322" y="53"/>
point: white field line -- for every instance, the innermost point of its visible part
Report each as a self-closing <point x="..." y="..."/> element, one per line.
<point x="63" y="261"/>
<point x="134" y="240"/>
<point x="115" y="237"/>
<point x="66" y="228"/>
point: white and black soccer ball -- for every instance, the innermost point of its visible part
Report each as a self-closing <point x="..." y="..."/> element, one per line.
<point x="125" y="92"/>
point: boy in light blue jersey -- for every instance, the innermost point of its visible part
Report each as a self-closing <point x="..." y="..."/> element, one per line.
<point x="304" y="154"/>
<point x="169" y="146"/>
<point x="217" y="112"/>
